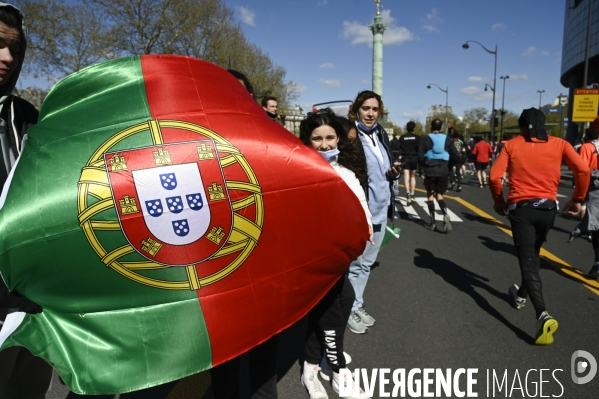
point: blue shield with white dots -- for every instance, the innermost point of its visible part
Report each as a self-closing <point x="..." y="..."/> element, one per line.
<point x="195" y="201"/>
<point x="154" y="208"/>
<point x="174" y="204"/>
<point x="181" y="227"/>
<point x="168" y="181"/>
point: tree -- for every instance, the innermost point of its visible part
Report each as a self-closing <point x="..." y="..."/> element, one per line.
<point x="197" y="28"/>
<point x="474" y="120"/>
<point x="63" y="38"/>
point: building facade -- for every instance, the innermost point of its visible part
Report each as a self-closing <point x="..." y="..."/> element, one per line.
<point x="574" y="51"/>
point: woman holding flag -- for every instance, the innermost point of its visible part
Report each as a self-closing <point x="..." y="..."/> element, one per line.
<point x="327" y="320"/>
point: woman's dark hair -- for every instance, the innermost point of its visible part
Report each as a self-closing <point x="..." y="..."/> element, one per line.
<point x="348" y="154"/>
<point x="244" y="79"/>
<point x="360" y="99"/>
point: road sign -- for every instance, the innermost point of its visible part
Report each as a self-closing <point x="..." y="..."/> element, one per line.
<point x="586" y="104"/>
<point x="553" y="110"/>
<point x="487" y="119"/>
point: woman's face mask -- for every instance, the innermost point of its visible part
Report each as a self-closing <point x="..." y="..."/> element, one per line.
<point x="330" y="154"/>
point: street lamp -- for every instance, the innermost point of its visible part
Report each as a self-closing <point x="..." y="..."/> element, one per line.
<point x="540" y="96"/>
<point x="446" y="91"/>
<point x="563" y="100"/>
<point x="503" y="102"/>
<point x="465" y="46"/>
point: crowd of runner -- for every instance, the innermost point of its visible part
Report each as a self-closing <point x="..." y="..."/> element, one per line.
<point x="359" y="150"/>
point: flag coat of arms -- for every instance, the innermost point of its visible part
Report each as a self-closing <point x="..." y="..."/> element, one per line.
<point x="165" y="225"/>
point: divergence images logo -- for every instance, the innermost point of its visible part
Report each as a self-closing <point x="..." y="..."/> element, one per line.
<point x="579" y="366"/>
<point x="188" y="199"/>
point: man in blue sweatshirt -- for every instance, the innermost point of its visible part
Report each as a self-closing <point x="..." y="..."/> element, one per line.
<point x="435" y="150"/>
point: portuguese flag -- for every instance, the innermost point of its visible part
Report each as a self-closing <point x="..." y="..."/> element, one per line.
<point x="165" y="225"/>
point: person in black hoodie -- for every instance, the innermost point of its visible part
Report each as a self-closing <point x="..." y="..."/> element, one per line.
<point x="21" y="374"/>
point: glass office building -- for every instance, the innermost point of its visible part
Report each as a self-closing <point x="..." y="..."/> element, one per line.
<point x="574" y="50"/>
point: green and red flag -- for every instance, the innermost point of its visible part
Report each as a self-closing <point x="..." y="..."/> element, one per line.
<point x="165" y="225"/>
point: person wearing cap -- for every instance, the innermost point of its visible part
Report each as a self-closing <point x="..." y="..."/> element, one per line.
<point x="533" y="161"/>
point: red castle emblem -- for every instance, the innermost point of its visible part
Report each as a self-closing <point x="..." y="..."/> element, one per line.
<point x="172" y="200"/>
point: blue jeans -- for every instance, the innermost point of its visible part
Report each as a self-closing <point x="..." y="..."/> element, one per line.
<point x="359" y="270"/>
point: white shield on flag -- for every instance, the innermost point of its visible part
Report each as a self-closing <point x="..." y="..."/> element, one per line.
<point x="174" y="203"/>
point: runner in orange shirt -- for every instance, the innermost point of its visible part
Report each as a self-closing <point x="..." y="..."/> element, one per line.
<point x="483" y="151"/>
<point x="533" y="161"/>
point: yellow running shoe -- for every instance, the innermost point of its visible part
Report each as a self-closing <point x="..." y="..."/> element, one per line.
<point x="546" y="326"/>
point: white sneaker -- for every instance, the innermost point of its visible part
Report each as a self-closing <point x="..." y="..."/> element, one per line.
<point x="311" y="382"/>
<point x="326" y="372"/>
<point x="335" y="384"/>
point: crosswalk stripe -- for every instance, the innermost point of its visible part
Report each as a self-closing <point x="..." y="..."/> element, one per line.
<point x="412" y="214"/>
<point x="421" y="201"/>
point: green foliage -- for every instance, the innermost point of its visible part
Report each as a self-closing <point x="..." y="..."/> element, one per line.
<point x="66" y="37"/>
<point x="62" y="38"/>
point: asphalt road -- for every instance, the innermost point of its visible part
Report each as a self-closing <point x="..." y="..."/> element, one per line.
<point x="441" y="302"/>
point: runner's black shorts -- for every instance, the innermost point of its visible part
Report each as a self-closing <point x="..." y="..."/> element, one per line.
<point x="471" y="158"/>
<point x="481" y="165"/>
<point x="436" y="184"/>
<point x="410" y="162"/>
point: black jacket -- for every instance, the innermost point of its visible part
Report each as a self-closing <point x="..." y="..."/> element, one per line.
<point x="19" y="115"/>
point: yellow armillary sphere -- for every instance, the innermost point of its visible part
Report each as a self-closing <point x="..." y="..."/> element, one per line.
<point x="96" y="208"/>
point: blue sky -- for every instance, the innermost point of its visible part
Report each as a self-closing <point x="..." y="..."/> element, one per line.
<point x="325" y="47"/>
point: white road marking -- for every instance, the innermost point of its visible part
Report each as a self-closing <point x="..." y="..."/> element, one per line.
<point x="452" y="216"/>
<point x="412" y="214"/>
<point x="561" y="195"/>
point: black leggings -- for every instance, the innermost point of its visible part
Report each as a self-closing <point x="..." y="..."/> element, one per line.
<point x="326" y="325"/>
<point x="595" y="240"/>
<point x="263" y="373"/>
<point x="529" y="229"/>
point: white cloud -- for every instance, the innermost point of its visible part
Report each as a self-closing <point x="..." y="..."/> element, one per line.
<point x="431" y="21"/>
<point x="483" y="96"/>
<point x="522" y="76"/>
<point x="545" y="53"/>
<point x="470" y="90"/>
<point x="413" y="115"/>
<point x="366" y="81"/>
<point x="327" y="65"/>
<point x="359" y="33"/>
<point x="321" y="3"/>
<point x="498" y="26"/>
<point x="530" y="52"/>
<point x="333" y="83"/>
<point x="246" y="15"/>
<point x="477" y="79"/>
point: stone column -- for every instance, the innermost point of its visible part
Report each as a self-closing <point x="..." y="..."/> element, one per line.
<point x="377" y="28"/>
